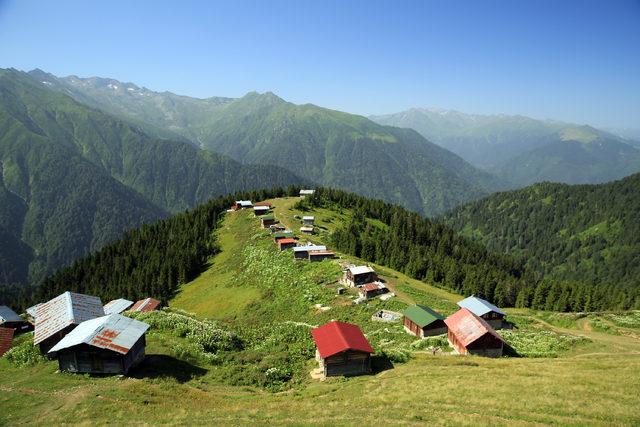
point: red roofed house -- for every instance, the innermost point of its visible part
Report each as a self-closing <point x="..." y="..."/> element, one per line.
<point x="145" y="305"/>
<point x="342" y="349"/>
<point x="470" y="334"/>
<point x="371" y="290"/>
<point x="6" y="337"/>
<point x="287" y="243"/>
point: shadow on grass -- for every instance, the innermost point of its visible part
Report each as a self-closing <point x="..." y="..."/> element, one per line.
<point x="380" y="363"/>
<point x="163" y="366"/>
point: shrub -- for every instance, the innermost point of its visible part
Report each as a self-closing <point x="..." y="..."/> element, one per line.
<point x="25" y="354"/>
<point x="541" y="343"/>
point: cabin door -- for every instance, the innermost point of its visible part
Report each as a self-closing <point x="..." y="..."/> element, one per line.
<point x="96" y="363"/>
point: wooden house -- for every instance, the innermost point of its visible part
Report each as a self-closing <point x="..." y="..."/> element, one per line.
<point x="471" y="334"/>
<point x="423" y="322"/>
<point x="356" y="276"/>
<point x="10" y="319"/>
<point x="283" y="235"/>
<point x="110" y="344"/>
<point x="146" y="305"/>
<point x="243" y="204"/>
<point x="302" y="252"/>
<point x="117" y="306"/>
<point x="320" y="255"/>
<point x="287" y="243"/>
<point x="342" y="349"/>
<point x="304" y="193"/>
<point x="55" y="318"/>
<point x="489" y="312"/>
<point x="267" y="221"/>
<point x="276" y="228"/>
<point x="306" y="229"/>
<point x="308" y="220"/>
<point x="372" y="290"/>
<point x="261" y="210"/>
<point x="6" y="339"/>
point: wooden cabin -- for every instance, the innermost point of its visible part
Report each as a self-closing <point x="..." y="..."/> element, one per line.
<point x="304" y="193"/>
<point x="342" y="349"/>
<point x="56" y="318"/>
<point x="306" y="229"/>
<point x="117" y="306"/>
<point x="283" y="235"/>
<point x="471" y="334"/>
<point x="243" y="204"/>
<point x="11" y="319"/>
<point x="423" y="322"/>
<point x="267" y="221"/>
<point x="320" y="255"/>
<point x="276" y="228"/>
<point x="302" y="252"/>
<point x="489" y="312"/>
<point x="356" y="276"/>
<point x="308" y="220"/>
<point x="261" y="210"/>
<point x="146" y="305"/>
<point x="110" y="344"/>
<point x="6" y="339"/>
<point x="287" y="243"/>
<point x="372" y="290"/>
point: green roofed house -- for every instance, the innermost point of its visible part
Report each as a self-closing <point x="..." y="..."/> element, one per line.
<point x="267" y="221"/>
<point x="283" y="235"/>
<point x="423" y="322"/>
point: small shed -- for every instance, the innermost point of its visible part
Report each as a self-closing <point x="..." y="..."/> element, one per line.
<point x="308" y="220"/>
<point x="471" y="334"/>
<point x="356" y="276"/>
<point x="306" y="229"/>
<point x="372" y="290"/>
<point x="423" y="322"/>
<point x="287" y="243"/>
<point x="304" y="193"/>
<point x="146" y="305"/>
<point x="261" y="210"/>
<point x="302" y="252"/>
<point x="110" y="344"/>
<point x="342" y="349"/>
<point x="10" y="319"/>
<point x="321" y="255"/>
<point x="267" y="220"/>
<point x="117" y="306"/>
<point x="489" y="312"/>
<point x="57" y="317"/>
<point x="6" y="338"/>
<point x="276" y="228"/>
<point x="283" y="235"/>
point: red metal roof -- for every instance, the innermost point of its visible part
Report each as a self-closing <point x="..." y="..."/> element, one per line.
<point x="262" y="204"/>
<point x="286" y="240"/>
<point x="372" y="287"/>
<point x="336" y="337"/>
<point x="467" y="327"/>
<point x="6" y="337"/>
<point x="144" y="305"/>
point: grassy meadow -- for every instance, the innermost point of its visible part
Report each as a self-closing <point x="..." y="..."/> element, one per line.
<point x="257" y="305"/>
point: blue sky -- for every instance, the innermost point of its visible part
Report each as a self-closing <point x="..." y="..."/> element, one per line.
<point x="569" y="60"/>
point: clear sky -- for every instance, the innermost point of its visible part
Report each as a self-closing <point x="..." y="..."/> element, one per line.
<point x="569" y="60"/>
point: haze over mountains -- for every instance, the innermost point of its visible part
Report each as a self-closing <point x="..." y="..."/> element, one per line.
<point x="521" y="150"/>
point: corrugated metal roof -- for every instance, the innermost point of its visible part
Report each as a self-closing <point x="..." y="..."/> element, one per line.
<point x="145" y="305"/>
<point x="261" y="207"/>
<point x="6" y="338"/>
<point x="8" y="315"/>
<point x="117" y="306"/>
<point x="321" y="253"/>
<point x="468" y="327"/>
<point x="267" y="217"/>
<point x="361" y="269"/>
<point x="307" y="192"/>
<point x="31" y="311"/>
<point x="421" y="315"/>
<point x="336" y="337"/>
<point x="310" y="248"/>
<point x="62" y="311"/>
<point x="308" y="218"/>
<point x="113" y="332"/>
<point x="244" y="203"/>
<point x="286" y="241"/>
<point x="372" y="287"/>
<point x="478" y="306"/>
<point x="262" y="204"/>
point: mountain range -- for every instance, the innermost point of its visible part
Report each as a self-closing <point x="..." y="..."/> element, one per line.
<point x="521" y="150"/>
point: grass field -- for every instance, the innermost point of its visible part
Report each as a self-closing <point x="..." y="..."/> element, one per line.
<point x="590" y="374"/>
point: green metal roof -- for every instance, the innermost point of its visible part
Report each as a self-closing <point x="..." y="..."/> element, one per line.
<point x="421" y="315"/>
<point x="279" y="235"/>
<point x="268" y="217"/>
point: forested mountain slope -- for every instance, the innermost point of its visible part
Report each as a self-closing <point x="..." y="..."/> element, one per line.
<point x="522" y="150"/>
<point x="588" y="233"/>
<point x="75" y="178"/>
<point x="321" y="145"/>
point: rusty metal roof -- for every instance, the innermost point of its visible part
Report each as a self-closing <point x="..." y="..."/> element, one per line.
<point x="467" y="327"/>
<point x="64" y="310"/>
<point x="372" y="286"/>
<point x="6" y="337"/>
<point x="117" y="306"/>
<point x="8" y="315"/>
<point x="147" y="304"/>
<point x="113" y="332"/>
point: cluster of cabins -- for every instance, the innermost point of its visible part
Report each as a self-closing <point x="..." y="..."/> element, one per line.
<point x="82" y="334"/>
<point x="342" y="348"/>
<point x="365" y="279"/>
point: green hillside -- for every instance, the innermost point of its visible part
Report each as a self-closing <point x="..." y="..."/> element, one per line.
<point x="74" y="178"/>
<point x="523" y="151"/>
<point x="324" y="146"/>
<point x="245" y="353"/>
<point x="583" y="233"/>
